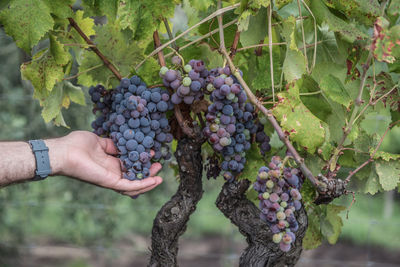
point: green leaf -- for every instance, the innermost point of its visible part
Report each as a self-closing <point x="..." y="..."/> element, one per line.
<point x="53" y="103"/>
<point x="85" y="24"/>
<point x="111" y="41"/>
<point x="333" y="88"/>
<point x="281" y="3"/>
<point x="61" y="8"/>
<point x="43" y="72"/>
<point x="275" y="142"/>
<point x="394" y="8"/>
<point x="313" y="236"/>
<point x="296" y="120"/>
<point x="257" y="29"/>
<point x="386" y="42"/>
<point x="259" y="72"/>
<point x="288" y="32"/>
<point x="335" y="222"/>
<point x="372" y="185"/>
<point x="147" y="71"/>
<point x="61" y="56"/>
<point x="27" y="22"/>
<point x="376" y="122"/>
<point x="74" y="93"/>
<point x="384" y="155"/>
<point x="202" y="5"/>
<point x="143" y="17"/>
<point x="101" y="8"/>
<point x="389" y="173"/>
<point x="247" y="9"/>
<point x="294" y="65"/>
<point x="322" y="14"/>
<point x="254" y="161"/>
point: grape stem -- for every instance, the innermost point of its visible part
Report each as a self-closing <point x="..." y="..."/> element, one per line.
<point x="178" y="113"/>
<point x="299" y="160"/>
<point x="94" y="48"/>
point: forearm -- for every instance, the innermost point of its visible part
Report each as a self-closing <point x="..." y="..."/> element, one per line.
<point x="17" y="162"/>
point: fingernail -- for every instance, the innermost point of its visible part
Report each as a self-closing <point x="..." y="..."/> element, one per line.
<point x="135" y="197"/>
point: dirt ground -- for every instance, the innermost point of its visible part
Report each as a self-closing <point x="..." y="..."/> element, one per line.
<point x="208" y="251"/>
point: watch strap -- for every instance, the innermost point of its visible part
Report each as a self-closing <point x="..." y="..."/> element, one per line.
<point x="41" y="152"/>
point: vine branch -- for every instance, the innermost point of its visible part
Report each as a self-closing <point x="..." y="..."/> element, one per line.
<point x="94" y="48"/>
<point x="271" y="60"/>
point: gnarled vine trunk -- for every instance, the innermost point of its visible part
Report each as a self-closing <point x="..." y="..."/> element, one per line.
<point x="171" y="220"/>
<point x="261" y="252"/>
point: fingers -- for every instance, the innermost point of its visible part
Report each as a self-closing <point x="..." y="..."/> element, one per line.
<point x="155" y="168"/>
<point x="126" y="185"/>
<point x="158" y="180"/>
<point x="108" y="146"/>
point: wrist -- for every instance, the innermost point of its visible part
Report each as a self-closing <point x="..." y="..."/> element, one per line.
<point x="57" y="155"/>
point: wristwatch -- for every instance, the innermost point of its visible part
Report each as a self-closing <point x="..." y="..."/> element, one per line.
<point x="41" y="152"/>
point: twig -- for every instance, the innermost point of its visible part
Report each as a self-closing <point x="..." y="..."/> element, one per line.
<point x="371" y="158"/>
<point x="81" y="45"/>
<point x="303" y="35"/>
<point x="315" y="35"/>
<point x="221" y="33"/>
<point x="311" y="93"/>
<point x="271" y="60"/>
<point x="157" y="43"/>
<point x="155" y="85"/>
<point x="258" y="45"/>
<point x="95" y="49"/>
<point x="235" y="44"/>
<point x="300" y="161"/>
<point x="82" y="72"/>
<point x="174" y="45"/>
<point x="213" y="15"/>
<point x="202" y="37"/>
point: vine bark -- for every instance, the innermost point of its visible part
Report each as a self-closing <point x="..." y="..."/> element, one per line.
<point x="171" y="220"/>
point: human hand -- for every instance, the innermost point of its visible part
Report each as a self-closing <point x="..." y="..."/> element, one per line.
<point x="90" y="158"/>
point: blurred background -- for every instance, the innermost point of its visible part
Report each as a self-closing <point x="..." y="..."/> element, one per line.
<point x="63" y="222"/>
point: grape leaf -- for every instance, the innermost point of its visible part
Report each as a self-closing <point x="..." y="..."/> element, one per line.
<point x="60" y="8"/>
<point x="257" y="29"/>
<point x="27" y="22"/>
<point x="85" y="24"/>
<point x="372" y="185"/>
<point x="322" y="14"/>
<point x="143" y="17"/>
<point x="112" y="43"/>
<point x="74" y="93"/>
<point x="281" y="3"/>
<point x="313" y="236"/>
<point x="384" y="155"/>
<point x="335" y="221"/>
<point x="101" y="8"/>
<point x="288" y="32"/>
<point x="254" y="161"/>
<point x="294" y="65"/>
<point x="394" y="8"/>
<point x="259" y="72"/>
<point x="43" y="72"/>
<point x="53" y="103"/>
<point x="202" y="5"/>
<point x="361" y="10"/>
<point x="389" y="173"/>
<point x="296" y="120"/>
<point x="248" y="9"/>
<point x="57" y="50"/>
<point x="376" y="122"/>
<point x="386" y="42"/>
<point x="333" y="88"/>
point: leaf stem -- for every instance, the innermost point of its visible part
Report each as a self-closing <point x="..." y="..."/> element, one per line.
<point x="303" y="35"/>
<point x="82" y="72"/>
<point x="174" y="45"/>
<point x="315" y="36"/>
<point x="94" y="48"/>
<point x="271" y="60"/>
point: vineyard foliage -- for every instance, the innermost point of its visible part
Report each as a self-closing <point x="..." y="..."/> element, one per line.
<point x="330" y="77"/>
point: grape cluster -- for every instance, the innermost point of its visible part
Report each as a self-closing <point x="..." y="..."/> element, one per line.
<point x="138" y="125"/>
<point x="101" y="107"/>
<point x="262" y="139"/>
<point x="229" y="120"/>
<point x="278" y="191"/>
<point x="188" y="86"/>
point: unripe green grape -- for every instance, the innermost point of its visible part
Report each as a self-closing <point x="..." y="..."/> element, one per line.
<point x="225" y="141"/>
<point x="284" y="204"/>
<point x="139" y="175"/>
<point x="217" y="121"/>
<point x="214" y="127"/>
<point x="246" y="133"/>
<point x="230" y="96"/>
<point x="223" y="76"/>
<point x="186" y="81"/>
<point x="235" y="100"/>
<point x="210" y="87"/>
<point x="281" y="209"/>
<point x="263" y="175"/>
<point x="187" y="68"/>
<point x="265" y="195"/>
<point x="263" y="120"/>
<point x="270" y="184"/>
<point x="280" y="215"/>
<point x="276" y="238"/>
<point x="228" y="81"/>
<point x="163" y="70"/>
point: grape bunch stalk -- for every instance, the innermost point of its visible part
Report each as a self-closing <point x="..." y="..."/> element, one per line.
<point x="134" y="117"/>
<point x="278" y="190"/>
